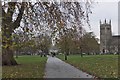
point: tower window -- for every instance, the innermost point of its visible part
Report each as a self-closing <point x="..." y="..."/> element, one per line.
<point x="108" y="28"/>
<point x="102" y="28"/>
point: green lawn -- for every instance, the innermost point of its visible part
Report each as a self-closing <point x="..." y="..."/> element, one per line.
<point x="29" y="67"/>
<point x="103" y="66"/>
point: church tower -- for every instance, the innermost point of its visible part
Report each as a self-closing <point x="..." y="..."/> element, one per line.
<point x="105" y="36"/>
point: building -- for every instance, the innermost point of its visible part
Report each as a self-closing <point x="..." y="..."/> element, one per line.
<point x="108" y="43"/>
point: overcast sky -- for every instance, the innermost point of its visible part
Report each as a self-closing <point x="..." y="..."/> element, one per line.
<point x="104" y="9"/>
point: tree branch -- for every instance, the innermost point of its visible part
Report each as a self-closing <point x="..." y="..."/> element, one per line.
<point x="21" y="11"/>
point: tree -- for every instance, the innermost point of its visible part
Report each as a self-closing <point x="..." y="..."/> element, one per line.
<point x="40" y="15"/>
<point x="8" y="27"/>
<point x="65" y="42"/>
<point x="44" y="44"/>
<point x="70" y="41"/>
<point x="90" y="43"/>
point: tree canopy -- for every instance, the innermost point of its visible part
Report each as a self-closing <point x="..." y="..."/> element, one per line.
<point x="40" y="18"/>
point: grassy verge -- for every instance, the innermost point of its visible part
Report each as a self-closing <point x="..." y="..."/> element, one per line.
<point x="29" y="67"/>
<point x="103" y="66"/>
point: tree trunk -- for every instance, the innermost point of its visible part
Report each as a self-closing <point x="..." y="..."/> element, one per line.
<point x="7" y="51"/>
<point x="7" y="57"/>
<point x="65" y="57"/>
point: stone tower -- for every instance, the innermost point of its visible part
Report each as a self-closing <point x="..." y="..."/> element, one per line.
<point x="105" y="36"/>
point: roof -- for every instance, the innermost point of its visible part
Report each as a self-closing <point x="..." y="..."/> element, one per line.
<point x="116" y="36"/>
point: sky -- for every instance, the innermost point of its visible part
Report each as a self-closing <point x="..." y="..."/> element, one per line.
<point x="102" y="9"/>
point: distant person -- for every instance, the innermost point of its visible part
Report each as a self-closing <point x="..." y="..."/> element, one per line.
<point x="103" y="51"/>
<point x="44" y="54"/>
<point x="54" y="53"/>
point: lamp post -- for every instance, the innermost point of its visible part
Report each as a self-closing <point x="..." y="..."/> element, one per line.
<point x="81" y="41"/>
<point x="65" y="44"/>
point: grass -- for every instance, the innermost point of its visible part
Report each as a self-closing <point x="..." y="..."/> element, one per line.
<point x="29" y="67"/>
<point x="103" y="66"/>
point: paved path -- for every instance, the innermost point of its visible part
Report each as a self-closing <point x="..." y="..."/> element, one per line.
<point x="56" y="68"/>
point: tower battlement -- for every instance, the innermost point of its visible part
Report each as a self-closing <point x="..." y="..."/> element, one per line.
<point x="105" y="22"/>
